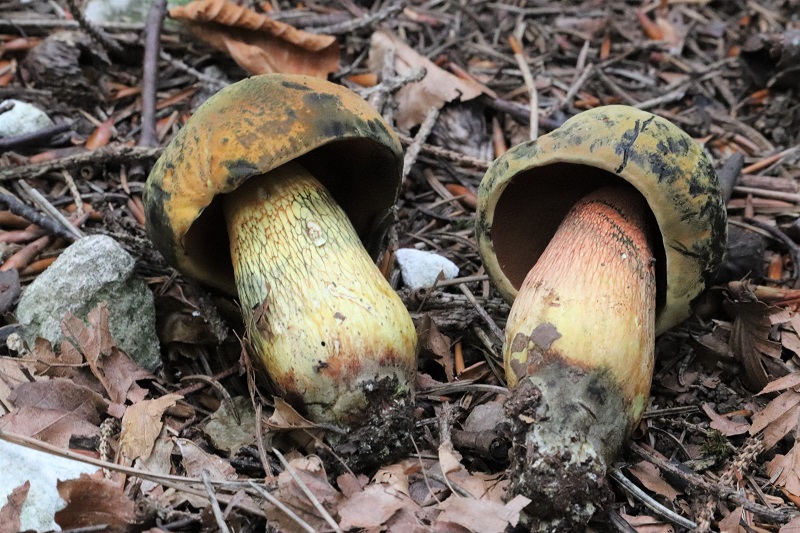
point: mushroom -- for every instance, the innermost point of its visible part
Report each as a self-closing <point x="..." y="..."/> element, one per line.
<point x="271" y="192"/>
<point x="602" y="233"/>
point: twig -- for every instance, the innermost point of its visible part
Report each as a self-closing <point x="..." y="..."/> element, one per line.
<point x="152" y="46"/>
<point x="212" y="497"/>
<point x="277" y="503"/>
<point x="777" y="515"/>
<point x="23" y="257"/>
<point x="419" y="139"/>
<point x="177" y="63"/>
<point x="48" y="208"/>
<point x="101" y="156"/>
<point x="768" y="161"/>
<point x="46" y="223"/>
<point x="576" y="86"/>
<point x="96" y="33"/>
<point x="519" y="55"/>
<point x="482" y="312"/>
<point x="443" y="153"/>
<point x="262" y="450"/>
<point x="367" y="21"/>
<point x="310" y="495"/>
<point x="73" y="190"/>
<point x="649" y="502"/>
<point x="26" y="139"/>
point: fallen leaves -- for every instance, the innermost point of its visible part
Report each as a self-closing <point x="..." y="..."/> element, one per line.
<point x="142" y="424"/>
<point x="434" y="90"/>
<point x="10" y="512"/>
<point x="93" y="500"/>
<point x="257" y="43"/>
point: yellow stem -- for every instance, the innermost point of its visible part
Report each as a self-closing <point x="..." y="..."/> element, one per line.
<point x="325" y="323"/>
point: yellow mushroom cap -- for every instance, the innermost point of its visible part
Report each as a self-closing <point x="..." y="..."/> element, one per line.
<point x="526" y="193"/>
<point x="250" y="128"/>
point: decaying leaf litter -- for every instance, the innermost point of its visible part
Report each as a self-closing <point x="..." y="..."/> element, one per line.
<point x="716" y="447"/>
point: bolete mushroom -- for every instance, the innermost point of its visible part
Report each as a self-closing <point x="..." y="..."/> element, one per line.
<point x="270" y="192"/>
<point x="602" y="234"/>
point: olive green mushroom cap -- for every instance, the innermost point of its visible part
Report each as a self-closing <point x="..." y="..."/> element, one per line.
<point x="526" y="193"/>
<point x="250" y="128"/>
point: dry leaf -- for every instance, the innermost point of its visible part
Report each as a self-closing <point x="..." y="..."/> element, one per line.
<point x="159" y="462"/>
<point x="394" y="476"/>
<point x="110" y="365"/>
<point x="49" y="425"/>
<point x="776" y="408"/>
<point x="93" y="501"/>
<point x="62" y="395"/>
<point x="785" y="470"/>
<point x="650" y="476"/>
<point x="449" y="458"/>
<point x="726" y="426"/>
<point x="479" y="515"/>
<point x="196" y="460"/>
<point x="9" y="513"/>
<point x="730" y="524"/>
<point x="437" y="88"/>
<point x="141" y="425"/>
<point x="310" y="470"/>
<point x="434" y="345"/>
<point x="12" y="375"/>
<point x="257" y="43"/>
<point x="229" y="432"/>
<point x="647" y="524"/>
<point x="788" y="381"/>
<point x="791" y="527"/>
<point x="750" y="339"/>
<point x="372" y="507"/>
<point x="285" y="418"/>
<point x="785" y="423"/>
<point x="101" y="135"/>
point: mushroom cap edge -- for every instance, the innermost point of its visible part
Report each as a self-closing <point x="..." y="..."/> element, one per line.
<point x="254" y="126"/>
<point x="659" y="159"/>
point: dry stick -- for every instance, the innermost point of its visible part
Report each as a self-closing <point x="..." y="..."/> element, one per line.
<point x="177" y="63"/>
<point x="23" y="257"/>
<point x="768" y="161"/>
<point x="482" y="312"/>
<point x="152" y="47"/>
<point x="529" y="83"/>
<point x="781" y="516"/>
<point x="649" y="502"/>
<point x="101" y="156"/>
<point x="48" y="208"/>
<point x="367" y="21"/>
<point x="577" y="85"/>
<point x="46" y="223"/>
<point x="419" y="139"/>
<point x="212" y="497"/>
<point x="288" y="512"/>
<point x="96" y="33"/>
<point x="310" y="495"/>
<point x="167" y="480"/>
<point x="262" y="450"/>
<point x="443" y="153"/>
<point x="44" y="134"/>
<point x="73" y="190"/>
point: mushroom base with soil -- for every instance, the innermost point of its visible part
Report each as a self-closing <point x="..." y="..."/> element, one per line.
<point x="579" y="351"/>
<point x="332" y="335"/>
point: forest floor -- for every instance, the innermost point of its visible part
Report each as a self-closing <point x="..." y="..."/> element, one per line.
<point x="456" y="79"/>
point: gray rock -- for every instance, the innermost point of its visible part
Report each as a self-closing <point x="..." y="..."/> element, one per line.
<point x="22" y="118"/>
<point x="130" y="11"/>
<point x="94" y="269"/>
<point x="20" y="464"/>
<point x="420" y="269"/>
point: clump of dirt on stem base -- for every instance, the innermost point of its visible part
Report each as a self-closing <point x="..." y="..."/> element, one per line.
<point x="384" y="438"/>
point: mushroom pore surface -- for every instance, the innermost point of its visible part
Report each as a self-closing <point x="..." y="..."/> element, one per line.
<point x="581" y="334"/>
<point x="323" y="320"/>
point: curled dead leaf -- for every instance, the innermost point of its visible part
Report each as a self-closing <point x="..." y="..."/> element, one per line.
<point x="257" y="43"/>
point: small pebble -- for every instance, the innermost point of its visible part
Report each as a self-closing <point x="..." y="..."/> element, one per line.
<point x="420" y="269"/>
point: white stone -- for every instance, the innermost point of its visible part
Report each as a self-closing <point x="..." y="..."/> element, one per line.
<point x="22" y="118"/>
<point x="20" y="464"/>
<point x="420" y="269"/>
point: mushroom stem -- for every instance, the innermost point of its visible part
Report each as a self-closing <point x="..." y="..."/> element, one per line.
<point x="332" y="335"/>
<point x="579" y="351"/>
